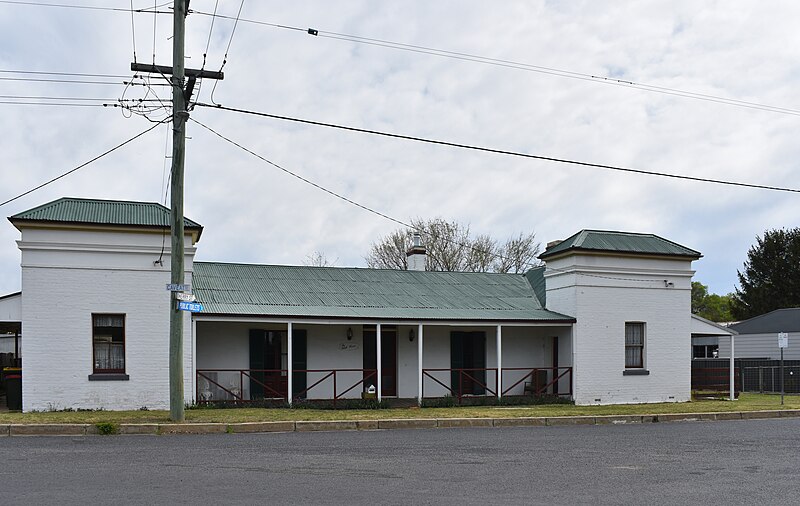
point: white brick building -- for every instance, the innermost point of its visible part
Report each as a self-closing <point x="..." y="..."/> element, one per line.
<point x="605" y="320"/>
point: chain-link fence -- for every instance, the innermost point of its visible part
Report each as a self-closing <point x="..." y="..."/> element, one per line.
<point x="768" y="379"/>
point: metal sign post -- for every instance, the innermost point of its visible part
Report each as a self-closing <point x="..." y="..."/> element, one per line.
<point x="783" y="342"/>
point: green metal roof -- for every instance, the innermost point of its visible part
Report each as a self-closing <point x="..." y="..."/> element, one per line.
<point x="335" y="292"/>
<point x="102" y="212"/>
<point x="620" y="242"/>
<point x="535" y="277"/>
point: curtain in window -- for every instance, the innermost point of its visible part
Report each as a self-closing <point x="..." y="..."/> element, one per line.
<point x="109" y="320"/>
<point x="109" y="356"/>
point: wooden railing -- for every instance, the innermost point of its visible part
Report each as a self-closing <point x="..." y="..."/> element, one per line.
<point x="554" y="377"/>
<point x="272" y="382"/>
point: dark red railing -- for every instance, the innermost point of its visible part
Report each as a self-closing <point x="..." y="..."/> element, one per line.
<point x="235" y="393"/>
<point x="463" y="374"/>
<point x="555" y="376"/>
<point x="539" y="388"/>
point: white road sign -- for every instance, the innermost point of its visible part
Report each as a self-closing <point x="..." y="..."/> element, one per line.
<point x="188" y="297"/>
<point x="783" y="340"/>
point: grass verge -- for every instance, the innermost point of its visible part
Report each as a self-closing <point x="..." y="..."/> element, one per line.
<point x="746" y="402"/>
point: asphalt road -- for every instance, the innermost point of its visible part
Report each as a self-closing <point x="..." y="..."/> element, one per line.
<point x="741" y="462"/>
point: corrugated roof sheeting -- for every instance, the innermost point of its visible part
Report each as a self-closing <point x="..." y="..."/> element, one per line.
<point x="102" y="212"/>
<point x="247" y="289"/>
<point x="620" y="242"/>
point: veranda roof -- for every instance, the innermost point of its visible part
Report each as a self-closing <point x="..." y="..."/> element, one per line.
<point x="359" y="293"/>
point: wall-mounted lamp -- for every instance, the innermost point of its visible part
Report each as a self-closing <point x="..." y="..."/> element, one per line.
<point x="349" y="334"/>
<point x="411" y="335"/>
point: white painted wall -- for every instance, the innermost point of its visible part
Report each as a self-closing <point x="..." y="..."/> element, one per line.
<point x="604" y="292"/>
<point x="328" y="348"/>
<point x="69" y="274"/>
<point x="224" y="346"/>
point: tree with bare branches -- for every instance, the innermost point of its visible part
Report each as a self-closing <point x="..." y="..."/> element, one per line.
<point x="452" y="247"/>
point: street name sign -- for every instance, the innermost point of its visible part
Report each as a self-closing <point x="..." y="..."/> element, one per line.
<point x="176" y="287"/>
<point x="194" y="307"/>
<point x="187" y="297"/>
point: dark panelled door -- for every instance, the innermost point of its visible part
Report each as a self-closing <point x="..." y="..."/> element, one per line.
<point x="468" y="351"/>
<point x="256" y="363"/>
<point x="265" y="364"/>
<point x="388" y="358"/>
<point x="299" y="363"/>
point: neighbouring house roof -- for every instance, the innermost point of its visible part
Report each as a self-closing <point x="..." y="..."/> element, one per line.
<point x="70" y="210"/>
<point x="335" y="292"/>
<point x="10" y="312"/>
<point x="703" y="327"/>
<point x="620" y="242"/>
<point x="779" y="320"/>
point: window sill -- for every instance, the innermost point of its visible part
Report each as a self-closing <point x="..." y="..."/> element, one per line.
<point x="635" y="372"/>
<point x="109" y="377"/>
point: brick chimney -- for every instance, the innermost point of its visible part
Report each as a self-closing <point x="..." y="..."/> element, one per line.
<point x="416" y="254"/>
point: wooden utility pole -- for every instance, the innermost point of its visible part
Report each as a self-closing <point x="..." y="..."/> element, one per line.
<point x="180" y="100"/>
<point x="179" y="117"/>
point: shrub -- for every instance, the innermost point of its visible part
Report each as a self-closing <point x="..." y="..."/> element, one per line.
<point x="107" y="428"/>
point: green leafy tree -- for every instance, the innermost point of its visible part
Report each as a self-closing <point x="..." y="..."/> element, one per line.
<point x="711" y="306"/>
<point x="771" y="276"/>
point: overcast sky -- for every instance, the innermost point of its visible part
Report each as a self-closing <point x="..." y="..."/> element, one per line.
<point x="740" y="50"/>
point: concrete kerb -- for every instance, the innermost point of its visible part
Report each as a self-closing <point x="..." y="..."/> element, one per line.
<point x="312" y="426"/>
<point x="617" y="419"/>
<point x="408" y="423"/>
<point x="48" y="429"/>
<point x="250" y="427"/>
<point x="65" y="429"/>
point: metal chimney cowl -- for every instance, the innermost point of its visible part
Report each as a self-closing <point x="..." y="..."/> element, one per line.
<point x="416" y="254"/>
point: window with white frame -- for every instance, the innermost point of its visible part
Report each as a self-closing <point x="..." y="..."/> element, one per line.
<point x="634" y="345"/>
<point x="108" y="343"/>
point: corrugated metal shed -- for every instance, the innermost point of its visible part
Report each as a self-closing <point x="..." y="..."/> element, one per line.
<point x="620" y="242"/>
<point x="102" y="212"/>
<point x="334" y="292"/>
<point x="779" y="320"/>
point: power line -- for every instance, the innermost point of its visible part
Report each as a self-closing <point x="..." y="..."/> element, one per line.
<point x="301" y="178"/>
<point x="65" y="104"/>
<point x="34" y="97"/>
<point x="69" y="81"/>
<point x="227" y="49"/>
<point x="155" y="24"/>
<point x="79" y="166"/>
<point x="133" y="33"/>
<point x="86" y="7"/>
<point x="503" y="151"/>
<point x="515" y="65"/>
<point x="39" y="72"/>
<point x="395" y="220"/>
<point x="208" y="44"/>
